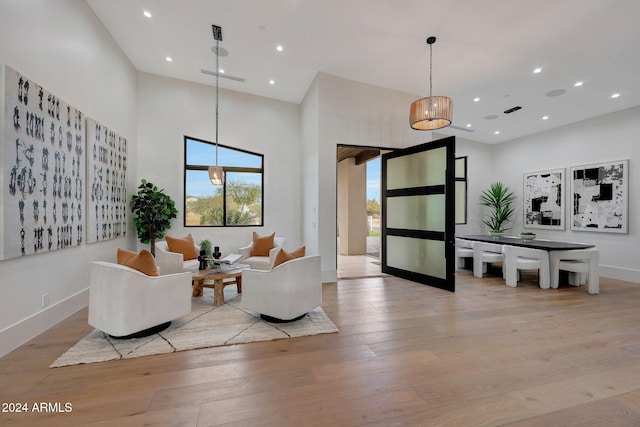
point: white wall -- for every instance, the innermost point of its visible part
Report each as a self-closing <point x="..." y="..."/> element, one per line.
<point x="353" y="113"/>
<point x="479" y="176"/>
<point x="169" y="109"/>
<point x="606" y="138"/>
<point x="310" y="167"/>
<point x="62" y="46"/>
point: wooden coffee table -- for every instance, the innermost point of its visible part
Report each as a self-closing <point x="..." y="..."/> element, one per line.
<point x="218" y="277"/>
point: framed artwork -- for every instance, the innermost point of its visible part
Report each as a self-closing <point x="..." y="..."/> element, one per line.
<point x="599" y="197"/>
<point x="544" y="199"/>
<point x="42" y="169"/>
<point x="106" y="180"/>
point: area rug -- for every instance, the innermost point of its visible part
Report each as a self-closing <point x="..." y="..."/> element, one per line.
<point x="205" y="326"/>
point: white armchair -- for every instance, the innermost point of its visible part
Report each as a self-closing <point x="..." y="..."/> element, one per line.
<point x="518" y="258"/>
<point x="581" y="261"/>
<point x="173" y="262"/>
<point x="287" y="292"/>
<point x="464" y="249"/>
<point x="260" y="262"/>
<point x="124" y="301"/>
<point x="483" y="254"/>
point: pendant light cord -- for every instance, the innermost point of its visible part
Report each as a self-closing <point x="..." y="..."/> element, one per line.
<point x="217" y="88"/>
<point x="430" y="69"/>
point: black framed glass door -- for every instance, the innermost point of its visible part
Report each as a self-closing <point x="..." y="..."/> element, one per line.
<point x="418" y="213"/>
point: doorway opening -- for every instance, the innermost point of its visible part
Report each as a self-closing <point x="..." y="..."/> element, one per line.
<point x="406" y="204"/>
<point x="358" y="240"/>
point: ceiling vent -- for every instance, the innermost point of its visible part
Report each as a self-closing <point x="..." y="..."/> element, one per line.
<point x="512" y="109"/>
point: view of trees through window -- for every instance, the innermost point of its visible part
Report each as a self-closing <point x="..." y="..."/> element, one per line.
<point x="238" y="202"/>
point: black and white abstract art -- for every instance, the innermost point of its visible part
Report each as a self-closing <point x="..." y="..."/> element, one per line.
<point x="43" y="169"/>
<point x="544" y="199"/>
<point x="599" y="196"/>
<point x="106" y="175"/>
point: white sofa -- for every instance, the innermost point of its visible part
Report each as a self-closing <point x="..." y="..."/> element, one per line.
<point x="260" y="262"/>
<point x="124" y="301"/>
<point x="287" y="292"/>
<point x="173" y="262"/>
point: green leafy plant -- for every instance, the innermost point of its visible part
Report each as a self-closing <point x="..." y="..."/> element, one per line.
<point x="498" y="198"/>
<point x="527" y="233"/>
<point x="206" y="246"/>
<point x="153" y="211"/>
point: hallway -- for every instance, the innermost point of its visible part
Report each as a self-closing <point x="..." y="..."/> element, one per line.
<point x="355" y="266"/>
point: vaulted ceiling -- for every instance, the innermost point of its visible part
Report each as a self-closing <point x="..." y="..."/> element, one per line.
<point x="486" y="50"/>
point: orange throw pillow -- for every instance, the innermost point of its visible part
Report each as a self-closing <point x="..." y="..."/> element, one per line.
<point x="124" y="255"/>
<point x="184" y="246"/>
<point x="299" y="253"/>
<point x="262" y="245"/>
<point x="143" y="261"/>
<point x="283" y="256"/>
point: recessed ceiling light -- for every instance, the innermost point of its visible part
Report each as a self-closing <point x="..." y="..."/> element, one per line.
<point x="497" y="132"/>
<point x="537" y="70"/>
<point x="221" y="71"/>
<point x="615" y="95"/>
<point x="272" y="82"/>
<point x="279" y="48"/>
<point x="468" y="125"/>
<point x="476" y="99"/>
<point x="147" y="14"/>
<point x="578" y="84"/>
<point x="169" y="59"/>
<point x="545" y="117"/>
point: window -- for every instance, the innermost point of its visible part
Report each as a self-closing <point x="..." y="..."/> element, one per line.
<point x="238" y="202"/>
<point x="461" y="190"/>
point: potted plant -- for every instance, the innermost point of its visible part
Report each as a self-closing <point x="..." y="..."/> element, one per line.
<point x="152" y="213"/>
<point x="527" y="235"/>
<point x="498" y="198"/>
<point x="207" y="247"/>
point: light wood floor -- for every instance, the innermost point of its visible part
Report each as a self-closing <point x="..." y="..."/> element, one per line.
<point x="406" y="354"/>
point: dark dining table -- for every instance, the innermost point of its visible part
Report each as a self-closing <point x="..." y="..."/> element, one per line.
<point x="547" y="245"/>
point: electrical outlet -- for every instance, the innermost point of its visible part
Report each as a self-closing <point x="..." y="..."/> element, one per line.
<point x="45" y="300"/>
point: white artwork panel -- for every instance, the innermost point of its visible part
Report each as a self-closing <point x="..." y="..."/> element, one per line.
<point x="43" y="169"/>
<point x="106" y="178"/>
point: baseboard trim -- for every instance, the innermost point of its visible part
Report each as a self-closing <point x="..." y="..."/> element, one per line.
<point x="22" y="332"/>
<point x="626" y="274"/>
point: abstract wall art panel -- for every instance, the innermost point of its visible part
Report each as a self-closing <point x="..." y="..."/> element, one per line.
<point x="599" y="197"/>
<point x="106" y="180"/>
<point x="544" y="199"/>
<point x="43" y="169"/>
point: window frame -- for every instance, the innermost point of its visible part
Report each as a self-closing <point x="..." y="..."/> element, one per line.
<point x="205" y="167"/>
<point x="465" y="180"/>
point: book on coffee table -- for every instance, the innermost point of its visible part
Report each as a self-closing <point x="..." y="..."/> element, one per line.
<point x="229" y="259"/>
